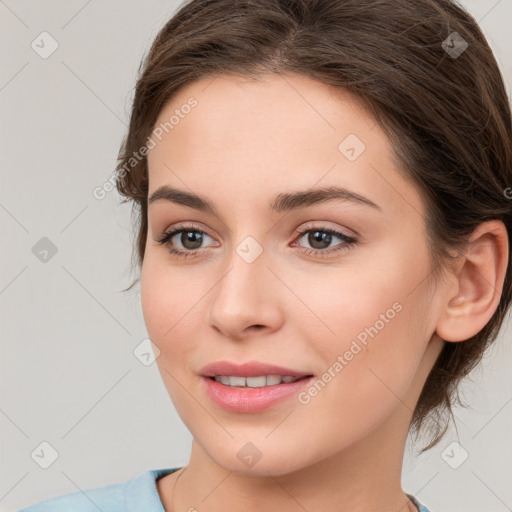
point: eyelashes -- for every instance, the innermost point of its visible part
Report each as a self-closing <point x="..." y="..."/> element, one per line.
<point x="347" y="241"/>
<point x="315" y="234"/>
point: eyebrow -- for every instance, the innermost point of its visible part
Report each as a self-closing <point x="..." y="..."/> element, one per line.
<point x="282" y="202"/>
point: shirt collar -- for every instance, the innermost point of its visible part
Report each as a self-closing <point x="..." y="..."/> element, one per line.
<point x="142" y="493"/>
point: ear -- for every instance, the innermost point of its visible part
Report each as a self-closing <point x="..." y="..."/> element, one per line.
<point x="474" y="296"/>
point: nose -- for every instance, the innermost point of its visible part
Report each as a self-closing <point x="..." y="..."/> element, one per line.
<point x="246" y="298"/>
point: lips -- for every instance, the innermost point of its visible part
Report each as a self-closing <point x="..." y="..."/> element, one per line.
<point x="249" y="399"/>
<point x="249" y="369"/>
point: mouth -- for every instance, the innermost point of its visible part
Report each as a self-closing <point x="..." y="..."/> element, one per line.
<point x="253" y="373"/>
<point x="254" y="393"/>
<point x="252" y="387"/>
<point x="259" y="381"/>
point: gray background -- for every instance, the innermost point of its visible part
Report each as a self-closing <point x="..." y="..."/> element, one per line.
<point x="69" y="376"/>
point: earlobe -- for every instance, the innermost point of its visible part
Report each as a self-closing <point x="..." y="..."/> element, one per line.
<point x="471" y="303"/>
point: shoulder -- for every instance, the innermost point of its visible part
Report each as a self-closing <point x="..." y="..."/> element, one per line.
<point x="108" y="498"/>
<point x="119" y="497"/>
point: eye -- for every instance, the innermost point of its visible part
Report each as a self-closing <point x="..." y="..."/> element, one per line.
<point x="189" y="237"/>
<point x="321" y="237"/>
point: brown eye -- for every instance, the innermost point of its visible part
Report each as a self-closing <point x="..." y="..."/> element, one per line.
<point x="320" y="238"/>
<point x="183" y="240"/>
<point x="190" y="239"/>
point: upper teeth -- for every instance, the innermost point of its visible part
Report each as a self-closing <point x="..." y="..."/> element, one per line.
<point x="255" y="382"/>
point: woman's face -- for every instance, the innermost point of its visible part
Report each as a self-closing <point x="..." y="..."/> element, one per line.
<point x="356" y="310"/>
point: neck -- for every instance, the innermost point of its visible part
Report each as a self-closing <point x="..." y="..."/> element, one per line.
<point x="365" y="476"/>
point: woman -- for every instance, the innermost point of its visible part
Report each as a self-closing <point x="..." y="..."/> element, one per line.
<point x="323" y="190"/>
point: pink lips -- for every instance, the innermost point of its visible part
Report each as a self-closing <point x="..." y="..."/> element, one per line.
<point x="246" y="399"/>
<point x="250" y="369"/>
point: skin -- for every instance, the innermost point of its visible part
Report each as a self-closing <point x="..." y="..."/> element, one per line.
<point x="243" y="143"/>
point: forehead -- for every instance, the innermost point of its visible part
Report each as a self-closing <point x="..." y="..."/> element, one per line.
<point x="280" y="132"/>
<point x="281" y="108"/>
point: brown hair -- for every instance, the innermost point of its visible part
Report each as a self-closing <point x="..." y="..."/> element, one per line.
<point x="446" y="114"/>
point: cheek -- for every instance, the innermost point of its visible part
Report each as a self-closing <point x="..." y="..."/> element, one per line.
<point x="374" y="319"/>
<point x="172" y="305"/>
<point x="154" y="300"/>
<point x="164" y="300"/>
<point x="171" y="322"/>
<point x="366" y="291"/>
<point x="367" y="373"/>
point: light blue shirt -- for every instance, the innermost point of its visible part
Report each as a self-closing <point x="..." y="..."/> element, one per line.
<point x="137" y="495"/>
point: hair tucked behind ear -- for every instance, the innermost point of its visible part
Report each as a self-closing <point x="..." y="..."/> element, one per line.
<point x="447" y="116"/>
